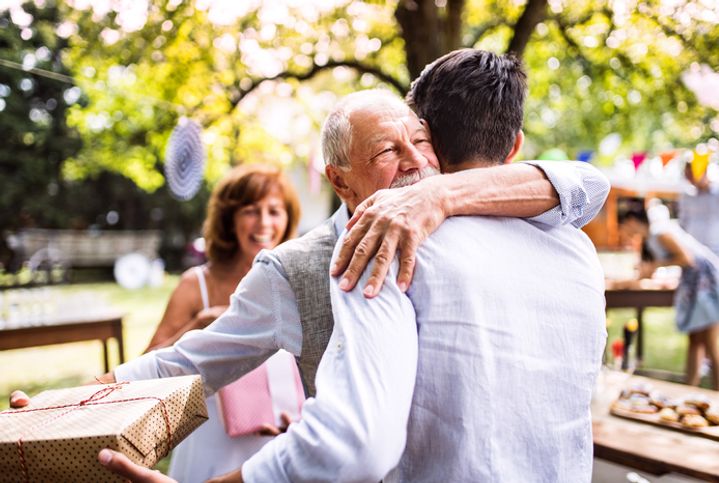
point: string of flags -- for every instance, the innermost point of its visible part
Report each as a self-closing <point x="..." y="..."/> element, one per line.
<point x="698" y="158"/>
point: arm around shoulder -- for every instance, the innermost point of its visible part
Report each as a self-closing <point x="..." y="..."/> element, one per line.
<point x="582" y="191"/>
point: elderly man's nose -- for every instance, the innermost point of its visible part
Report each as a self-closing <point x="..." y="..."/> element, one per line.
<point x="414" y="159"/>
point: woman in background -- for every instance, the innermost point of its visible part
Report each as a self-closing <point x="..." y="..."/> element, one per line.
<point x="251" y="208"/>
<point x="697" y="297"/>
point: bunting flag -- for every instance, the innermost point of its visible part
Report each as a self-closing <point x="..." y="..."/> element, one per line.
<point x="585" y="156"/>
<point x="700" y="161"/>
<point x="667" y="156"/>
<point x="638" y="159"/>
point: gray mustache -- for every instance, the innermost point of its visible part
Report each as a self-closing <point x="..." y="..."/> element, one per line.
<point x="414" y="176"/>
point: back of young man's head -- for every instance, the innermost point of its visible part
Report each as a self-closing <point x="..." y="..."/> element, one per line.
<point x="473" y="101"/>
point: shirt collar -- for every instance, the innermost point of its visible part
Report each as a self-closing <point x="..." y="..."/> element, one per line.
<point x="340" y="219"/>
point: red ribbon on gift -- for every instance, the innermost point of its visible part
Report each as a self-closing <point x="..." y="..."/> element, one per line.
<point x="93" y="400"/>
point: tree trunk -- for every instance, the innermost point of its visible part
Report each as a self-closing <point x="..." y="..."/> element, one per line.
<point x="534" y="12"/>
<point x="428" y="31"/>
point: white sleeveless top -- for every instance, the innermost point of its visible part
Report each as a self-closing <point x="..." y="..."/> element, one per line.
<point x="208" y="451"/>
<point x="200" y="274"/>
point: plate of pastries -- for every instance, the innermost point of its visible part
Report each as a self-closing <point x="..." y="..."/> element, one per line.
<point x="690" y="412"/>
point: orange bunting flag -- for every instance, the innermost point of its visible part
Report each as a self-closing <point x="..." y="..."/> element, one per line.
<point x="667" y="156"/>
<point x="699" y="164"/>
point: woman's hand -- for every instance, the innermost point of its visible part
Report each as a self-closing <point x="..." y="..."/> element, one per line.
<point x="646" y="269"/>
<point x="207" y="316"/>
<point x="271" y="430"/>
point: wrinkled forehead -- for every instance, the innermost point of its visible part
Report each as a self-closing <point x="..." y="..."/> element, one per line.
<point x="372" y="119"/>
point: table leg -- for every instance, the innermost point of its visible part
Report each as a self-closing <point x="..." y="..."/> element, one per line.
<point x="640" y="336"/>
<point x="104" y="355"/>
<point x="120" y="344"/>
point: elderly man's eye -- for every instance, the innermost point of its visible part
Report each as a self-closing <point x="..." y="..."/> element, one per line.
<point x="382" y="152"/>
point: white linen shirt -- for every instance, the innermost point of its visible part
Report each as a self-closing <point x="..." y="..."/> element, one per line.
<point x="506" y="361"/>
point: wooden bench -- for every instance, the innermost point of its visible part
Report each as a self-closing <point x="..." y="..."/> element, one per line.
<point x="74" y="248"/>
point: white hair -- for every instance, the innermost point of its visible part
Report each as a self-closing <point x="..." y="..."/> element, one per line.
<point x="337" y="130"/>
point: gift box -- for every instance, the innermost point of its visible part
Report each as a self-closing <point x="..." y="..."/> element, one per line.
<point x="58" y="436"/>
<point x="260" y="395"/>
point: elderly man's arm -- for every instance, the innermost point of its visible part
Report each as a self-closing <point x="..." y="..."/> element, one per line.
<point x="355" y="428"/>
<point x="262" y="318"/>
<point x="554" y="193"/>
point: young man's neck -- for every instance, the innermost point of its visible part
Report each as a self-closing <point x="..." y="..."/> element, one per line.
<point x="470" y="164"/>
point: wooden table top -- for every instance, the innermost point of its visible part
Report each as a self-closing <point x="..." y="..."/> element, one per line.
<point x="645" y="447"/>
<point x="92" y="317"/>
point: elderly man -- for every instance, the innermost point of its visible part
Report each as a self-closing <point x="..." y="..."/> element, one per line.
<point x="484" y="372"/>
<point x="283" y="301"/>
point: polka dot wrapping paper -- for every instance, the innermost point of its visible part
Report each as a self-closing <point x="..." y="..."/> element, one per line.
<point x="58" y="436"/>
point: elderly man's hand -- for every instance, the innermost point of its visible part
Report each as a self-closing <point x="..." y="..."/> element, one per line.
<point x="389" y="221"/>
<point x="19" y="399"/>
<point x="121" y="465"/>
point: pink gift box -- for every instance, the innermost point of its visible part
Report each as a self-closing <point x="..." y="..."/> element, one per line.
<point x="253" y="400"/>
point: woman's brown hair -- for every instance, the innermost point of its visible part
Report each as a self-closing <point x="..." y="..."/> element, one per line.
<point x="242" y="186"/>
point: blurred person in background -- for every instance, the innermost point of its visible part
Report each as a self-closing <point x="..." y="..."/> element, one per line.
<point x="699" y="210"/>
<point x="251" y="208"/>
<point x="697" y="297"/>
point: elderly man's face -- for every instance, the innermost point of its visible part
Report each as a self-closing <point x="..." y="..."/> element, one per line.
<point x="390" y="148"/>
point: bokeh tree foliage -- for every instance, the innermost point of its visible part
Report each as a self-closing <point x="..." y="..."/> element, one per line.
<point x="260" y="75"/>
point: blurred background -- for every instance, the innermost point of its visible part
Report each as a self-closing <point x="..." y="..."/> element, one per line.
<point x="98" y="97"/>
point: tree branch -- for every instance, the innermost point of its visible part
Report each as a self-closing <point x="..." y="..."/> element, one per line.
<point x="478" y="32"/>
<point x="534" y="12"/>
<point x="316" y="69"/>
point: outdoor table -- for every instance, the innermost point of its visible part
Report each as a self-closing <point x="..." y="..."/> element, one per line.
<point x="648" y="448"/>
<point x="635" y="296"/>
<point x="59" y="329"/>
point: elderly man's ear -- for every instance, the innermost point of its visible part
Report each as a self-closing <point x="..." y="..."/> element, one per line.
<point x="336" y="178"/>
<point x="518" y="143"/>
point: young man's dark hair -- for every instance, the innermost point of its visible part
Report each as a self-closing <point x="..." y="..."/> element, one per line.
<point x="473" y="101"/>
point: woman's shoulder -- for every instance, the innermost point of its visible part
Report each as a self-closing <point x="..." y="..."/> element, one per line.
<point x="189" y="279"/>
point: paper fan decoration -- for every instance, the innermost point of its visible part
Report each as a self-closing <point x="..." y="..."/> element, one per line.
<point x="184" y="159"/>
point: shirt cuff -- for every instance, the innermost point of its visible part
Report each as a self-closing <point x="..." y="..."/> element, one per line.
<point x="144" y="367"/>
<point x="573" y="198"/>
<point x="265" y="465"/>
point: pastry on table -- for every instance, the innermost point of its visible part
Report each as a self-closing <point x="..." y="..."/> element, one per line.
<point x="712" y="414"/>
<point x="685" y="410"/>
<point x="699" y="401"/>
<point x="694" y="421"/>
<point x="669" y="415"/>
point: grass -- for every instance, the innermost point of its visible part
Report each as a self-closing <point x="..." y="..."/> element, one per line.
<point x="664" y="347"/>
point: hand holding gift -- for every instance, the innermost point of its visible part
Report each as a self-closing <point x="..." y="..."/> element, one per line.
<point x="59" y="434"/>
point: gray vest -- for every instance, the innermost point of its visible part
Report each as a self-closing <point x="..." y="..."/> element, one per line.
<point x="306" y="262"/>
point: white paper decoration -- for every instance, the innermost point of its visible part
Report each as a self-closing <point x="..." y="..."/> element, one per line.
<point x="184" y="159"/>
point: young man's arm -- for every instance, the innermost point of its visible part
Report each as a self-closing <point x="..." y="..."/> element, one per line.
<point x="553" y="193"/>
